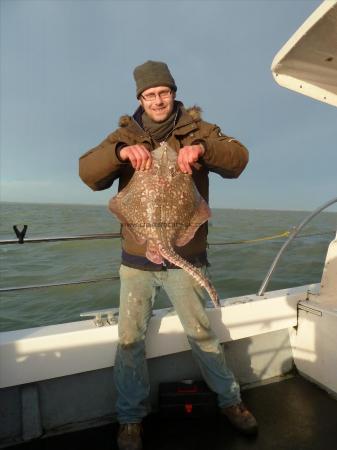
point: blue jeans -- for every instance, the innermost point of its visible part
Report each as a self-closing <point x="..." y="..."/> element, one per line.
<point x="137" y="295"/>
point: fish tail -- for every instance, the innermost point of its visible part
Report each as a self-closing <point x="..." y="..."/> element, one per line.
<point x="177" y="260"/>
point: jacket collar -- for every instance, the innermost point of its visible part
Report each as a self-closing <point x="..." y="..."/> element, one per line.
<point x="186" y="122"/>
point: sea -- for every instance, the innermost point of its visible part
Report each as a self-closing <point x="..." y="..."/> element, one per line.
<point x="242" y="246"/>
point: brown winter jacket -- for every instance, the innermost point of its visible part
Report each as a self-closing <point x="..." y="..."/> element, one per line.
<point x="100" y="166"/>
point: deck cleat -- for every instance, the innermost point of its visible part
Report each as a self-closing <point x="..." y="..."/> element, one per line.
<point x="103" y="317"/>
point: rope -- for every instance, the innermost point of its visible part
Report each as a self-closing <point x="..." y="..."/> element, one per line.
<point x="268" y="238"/>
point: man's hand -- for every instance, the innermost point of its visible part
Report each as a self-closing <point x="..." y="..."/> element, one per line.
<point x="188" y="156"/>
<point x="138" y="155"/>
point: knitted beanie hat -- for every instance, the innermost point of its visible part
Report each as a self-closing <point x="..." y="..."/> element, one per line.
<point x="152" y="74"/>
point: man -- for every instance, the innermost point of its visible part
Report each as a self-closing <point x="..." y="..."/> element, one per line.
<point x="201" y="147"/>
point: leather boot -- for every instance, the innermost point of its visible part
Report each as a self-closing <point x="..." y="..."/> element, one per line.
<point x="241" y="419"/>
<point x="130" y="436"/>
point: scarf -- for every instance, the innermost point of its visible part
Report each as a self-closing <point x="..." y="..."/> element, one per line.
<point x="159" y="131"/>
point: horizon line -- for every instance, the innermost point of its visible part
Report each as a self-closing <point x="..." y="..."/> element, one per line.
<point x="212" y="208"/>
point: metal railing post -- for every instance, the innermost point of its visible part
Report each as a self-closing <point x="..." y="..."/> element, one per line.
<point x="292" y="235"/>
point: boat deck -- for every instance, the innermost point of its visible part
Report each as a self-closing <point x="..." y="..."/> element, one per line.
<point x="292" y="414"/>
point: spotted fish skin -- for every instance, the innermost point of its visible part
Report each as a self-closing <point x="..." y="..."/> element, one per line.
<point x="173" y="257"/>
<point x="162" y="208"/>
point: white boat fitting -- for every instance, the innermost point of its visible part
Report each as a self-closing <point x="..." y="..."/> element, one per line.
<point x="307" y="63"/>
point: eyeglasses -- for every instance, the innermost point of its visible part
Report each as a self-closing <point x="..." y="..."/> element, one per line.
<point x="163" y="95"/>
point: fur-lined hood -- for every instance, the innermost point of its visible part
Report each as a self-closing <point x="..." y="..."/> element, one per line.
<point x="194" y="112"/>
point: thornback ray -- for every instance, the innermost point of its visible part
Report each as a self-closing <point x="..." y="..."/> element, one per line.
<point x="162" y="208"/>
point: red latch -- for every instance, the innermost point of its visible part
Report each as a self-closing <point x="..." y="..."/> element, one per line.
<point x="188" y="408"/>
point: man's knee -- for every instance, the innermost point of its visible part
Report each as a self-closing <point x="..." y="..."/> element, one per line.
<point x="128" y="339"/>
<point x="130" y="352"/>
<point x="204" y="339"/>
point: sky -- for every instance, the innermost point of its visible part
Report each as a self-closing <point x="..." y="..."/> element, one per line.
<point x="66" y="78"/>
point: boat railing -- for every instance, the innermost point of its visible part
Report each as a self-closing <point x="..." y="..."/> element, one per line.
<point x="83" y="237"/>
<point x="291" y="237"/>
